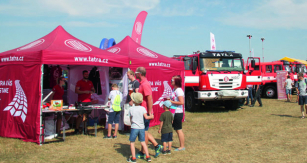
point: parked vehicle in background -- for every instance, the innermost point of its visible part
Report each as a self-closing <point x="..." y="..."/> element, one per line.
<point x="214" y="77"/>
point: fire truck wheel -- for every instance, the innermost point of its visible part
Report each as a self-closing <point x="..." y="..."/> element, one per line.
<point x="270" y="92"/>
<point x="190" y="102"/>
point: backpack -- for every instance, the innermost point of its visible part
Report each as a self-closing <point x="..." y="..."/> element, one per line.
<point x="116" y="103"/>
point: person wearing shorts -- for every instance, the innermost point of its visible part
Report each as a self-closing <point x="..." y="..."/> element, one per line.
<point x="288" y="86"/>
<point x="301" y="87"/>
<point x="113" y="115"/>
<point x="165" y="128"/>
<point x="137" y="115"/>
<point x="177" y="100"/>
<point x="145" y="90"/>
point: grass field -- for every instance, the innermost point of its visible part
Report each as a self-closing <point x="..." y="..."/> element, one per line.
<point x="273" y="133"/>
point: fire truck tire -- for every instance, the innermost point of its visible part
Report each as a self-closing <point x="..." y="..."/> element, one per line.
<point x="232" y="104"/>
<point x="270" y="92"/>
<point x="190" y="102"/>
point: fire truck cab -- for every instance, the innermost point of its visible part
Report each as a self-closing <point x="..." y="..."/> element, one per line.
<point x="214" y="76"/>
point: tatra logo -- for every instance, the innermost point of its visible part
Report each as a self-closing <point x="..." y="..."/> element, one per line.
<point x="77" y="45"/>
<point x="114" y="50"/>
<point x="138" y="28"/>
<point x="166" y="93"/>
<point x="18" y="106"/>
<point x="235" y="77"/>
<point x="146" y="52"/>
<point x="32" y="44"/>
<point x="222" y="54"/>
<point x="226" y="78"/>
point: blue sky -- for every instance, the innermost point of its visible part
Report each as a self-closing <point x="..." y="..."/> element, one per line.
<point x="172" y="27"/>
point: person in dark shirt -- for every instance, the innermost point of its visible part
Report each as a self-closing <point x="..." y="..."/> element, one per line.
<point x="133" y="86"/>
<point x="166" y="122"/>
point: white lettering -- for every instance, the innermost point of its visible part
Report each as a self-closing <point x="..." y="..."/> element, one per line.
<point x="4" y="90"/>
<point x="154" y="89"/>
<point x="222" y="55"/>
<point x="158" y="82"/>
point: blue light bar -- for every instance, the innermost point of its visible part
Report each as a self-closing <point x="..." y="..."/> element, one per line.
<point x="219" y="51"/>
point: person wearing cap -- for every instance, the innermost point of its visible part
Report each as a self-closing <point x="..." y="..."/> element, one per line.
<point x="165" y="128"/>
<point x="301" y="87"/>
<point x="137" y="115"/>
<point x="145" y="90"/>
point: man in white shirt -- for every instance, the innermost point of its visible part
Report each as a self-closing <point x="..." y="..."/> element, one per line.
<point x="288" y="86"/>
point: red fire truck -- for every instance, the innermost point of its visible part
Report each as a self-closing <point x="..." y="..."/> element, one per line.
<point x="268" y="73"/>
<point x="214" y="77"/>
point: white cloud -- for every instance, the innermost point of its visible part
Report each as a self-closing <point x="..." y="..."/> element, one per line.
<point x="78" y="8"/>
<point x="49" y="23"/>
<point x="271" y="14"/>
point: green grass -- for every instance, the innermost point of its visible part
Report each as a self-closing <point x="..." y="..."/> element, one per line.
<point x="273" y="133"/>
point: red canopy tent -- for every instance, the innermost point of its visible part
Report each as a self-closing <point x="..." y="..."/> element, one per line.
<point x="159" y="70"/>
<point x="21" y="78"/>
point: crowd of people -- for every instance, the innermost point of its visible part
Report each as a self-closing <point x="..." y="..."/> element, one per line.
<point x="300" y="86"/>
<point x="140" y="112"/>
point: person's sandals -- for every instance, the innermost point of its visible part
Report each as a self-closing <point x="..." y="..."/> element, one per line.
<point x="303" y="117"/>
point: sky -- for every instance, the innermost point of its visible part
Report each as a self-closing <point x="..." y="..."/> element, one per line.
<point x="172" y="27"/>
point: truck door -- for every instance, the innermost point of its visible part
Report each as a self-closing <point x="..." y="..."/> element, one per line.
<point x="191" y="75"/>
<point x="253" y="77"/>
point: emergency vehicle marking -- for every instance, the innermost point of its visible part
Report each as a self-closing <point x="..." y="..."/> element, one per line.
<point x="253" y="79"/>
<point x="191" y="79"/>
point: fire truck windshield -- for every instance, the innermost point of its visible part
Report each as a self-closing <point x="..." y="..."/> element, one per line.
<point x="300" y="68"/>
<point x="287" y="68"/>
<point x="221" y="64"/>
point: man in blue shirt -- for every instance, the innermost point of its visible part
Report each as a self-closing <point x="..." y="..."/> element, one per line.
<point x="301" y="87"/>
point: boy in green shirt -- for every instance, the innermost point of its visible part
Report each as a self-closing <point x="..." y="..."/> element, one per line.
<point x="166" y="121"/>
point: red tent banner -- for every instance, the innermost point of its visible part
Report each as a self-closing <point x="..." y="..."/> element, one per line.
<point x="20" y="101"/>
<point x="159" y="70"/>
<point x="60" y="47"/>
<point x="20" y="78"/>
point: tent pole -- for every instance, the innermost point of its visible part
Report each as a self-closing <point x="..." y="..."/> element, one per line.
<point x="41" y="104"/>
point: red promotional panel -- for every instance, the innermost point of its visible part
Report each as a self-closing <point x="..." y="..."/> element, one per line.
<point x="138" y="27"/>
<point x="19" y="102"/>
<point x="281" y="91"/>
<point x="160" y="81"/>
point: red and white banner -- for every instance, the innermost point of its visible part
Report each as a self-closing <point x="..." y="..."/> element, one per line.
<point x="212" y="40"/>
<point x="160" y="81"/>
<point x="138" y="27"/>
<point x="19" y="101"/>
<point x="281" y="78"/>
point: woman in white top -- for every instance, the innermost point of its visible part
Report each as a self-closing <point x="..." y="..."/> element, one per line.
<point x="177" y="100"/>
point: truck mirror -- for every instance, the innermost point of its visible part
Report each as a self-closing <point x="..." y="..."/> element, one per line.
<point x="194" y="65"/>
<point x="253" y="63"/>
